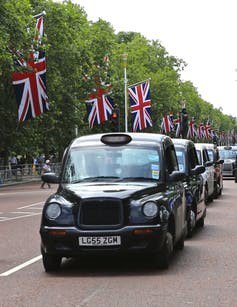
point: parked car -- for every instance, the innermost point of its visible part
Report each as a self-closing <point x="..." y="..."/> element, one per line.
<point x="118" y="193"/>
<point x="193" y="182"/>
<point x="229" y="155"/>
<point x="213" y="153"/>
<point x="208" y="175"/>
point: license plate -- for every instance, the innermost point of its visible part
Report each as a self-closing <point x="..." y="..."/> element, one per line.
<point x="100" y="241"/>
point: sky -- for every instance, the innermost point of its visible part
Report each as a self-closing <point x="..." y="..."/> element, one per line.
<point x="201" y="32"/>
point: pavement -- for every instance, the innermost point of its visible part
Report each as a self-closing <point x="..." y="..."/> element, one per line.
<point x="22" y="180"/>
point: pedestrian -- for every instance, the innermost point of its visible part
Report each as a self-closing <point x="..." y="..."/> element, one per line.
<point x="45" y="169"/>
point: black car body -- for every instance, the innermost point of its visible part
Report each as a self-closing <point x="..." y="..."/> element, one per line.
<point x="117" y="194"/>
<point x="229" y="155"/>
<point x="193" y="182"/>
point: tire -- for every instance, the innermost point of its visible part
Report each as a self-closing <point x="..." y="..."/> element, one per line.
<point x="51" y="262"/>
<point x="190" y="223"/>
<point x="180" y="244"/>
<point x="200" y="222"/>
<point x="206" y="196"/>
<point x="162" y="258"/>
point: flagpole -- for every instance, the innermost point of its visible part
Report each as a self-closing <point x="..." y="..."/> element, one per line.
<point x="131" y="85"/>
<point x="125" y="56"/>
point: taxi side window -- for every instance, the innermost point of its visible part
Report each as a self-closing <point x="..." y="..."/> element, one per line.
<point x="171" y="159"/>
<point x="205" y="156"/>
<point x="193" y="159"/>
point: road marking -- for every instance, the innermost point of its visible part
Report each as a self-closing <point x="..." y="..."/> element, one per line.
<point x="21" y="266"/>
<point x="31" y="205"/>
<point x="89" y="297"/>
<point x="18" y="217"/>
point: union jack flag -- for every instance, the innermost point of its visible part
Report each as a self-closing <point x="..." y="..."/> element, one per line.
<point x="30" y="86"/>
<point x="200" y="131"/>
<point x="207" y="130"/>
<point x="191" y="129"/>
<point x="167" y="124"/>
<point x="30" y="91"/>
<point x="140" y="103"/>
<point x="177" y="127"/>
<point x="99" y="107"/>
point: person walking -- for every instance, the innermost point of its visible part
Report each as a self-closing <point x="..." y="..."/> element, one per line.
<point x="45" y="169"/>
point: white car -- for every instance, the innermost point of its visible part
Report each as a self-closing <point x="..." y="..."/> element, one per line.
<point x="208" y="175"/>
<point x="229" y="155"/>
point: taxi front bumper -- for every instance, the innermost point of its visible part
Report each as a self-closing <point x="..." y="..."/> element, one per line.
<point x="64" y="241"/>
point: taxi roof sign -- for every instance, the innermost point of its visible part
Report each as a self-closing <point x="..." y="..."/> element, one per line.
<point x="116" y="139"/>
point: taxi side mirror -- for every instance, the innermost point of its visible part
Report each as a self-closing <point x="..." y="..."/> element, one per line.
<point x="208" y="163"/>
<point x="50" y="178"/>
<point x="177" y="176"/>
<point x="199" y="169"/>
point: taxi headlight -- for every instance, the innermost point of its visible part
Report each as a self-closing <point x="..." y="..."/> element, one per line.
<point x="53" y="211"/>
<point x="150" y="209"/>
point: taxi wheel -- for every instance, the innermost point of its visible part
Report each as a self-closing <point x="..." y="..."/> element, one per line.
<point x="200" y="222"/>
<point x="162" y="260"/>
<point x="51" y="262"/>
<point x="206" y="196"/>
<point x="191" y="223"/>
<point x="180" y="243"/>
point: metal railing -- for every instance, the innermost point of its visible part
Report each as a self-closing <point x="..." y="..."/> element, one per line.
<point x="24" y="172"/>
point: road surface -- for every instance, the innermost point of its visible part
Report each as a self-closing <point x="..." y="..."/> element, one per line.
<point x="203" y="274"/>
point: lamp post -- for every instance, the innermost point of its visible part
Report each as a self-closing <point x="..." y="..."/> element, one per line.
<point x="125" y="57"/>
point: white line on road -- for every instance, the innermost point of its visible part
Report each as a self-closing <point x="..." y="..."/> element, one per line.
<point x="31" y="205"/>
<point x="19" y="217"/>
<point x="21" y="266"/>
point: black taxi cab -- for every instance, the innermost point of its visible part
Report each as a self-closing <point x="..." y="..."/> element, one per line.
<point x="193" y="182"/>
<point x="117" y="193"/>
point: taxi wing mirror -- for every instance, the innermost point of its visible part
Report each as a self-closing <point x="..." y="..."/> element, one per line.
<point x="50" y="178"/>
<point x="199" y="169"/>
<point x="177" y="176"/>
<point x="208" y="163"/>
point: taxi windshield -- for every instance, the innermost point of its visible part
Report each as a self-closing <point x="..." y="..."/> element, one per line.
<point x="99" y="163"/>
<point x="228" y="154"/>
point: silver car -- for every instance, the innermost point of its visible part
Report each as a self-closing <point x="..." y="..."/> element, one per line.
<point x="208" y="175"/>
<point x="229" y="155"/>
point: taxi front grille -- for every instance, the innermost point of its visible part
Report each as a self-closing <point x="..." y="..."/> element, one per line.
<point x="100" y="214"/>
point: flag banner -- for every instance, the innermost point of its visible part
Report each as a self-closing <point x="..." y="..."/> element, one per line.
<point x="177" y="127"/>
<point x="167" y="124"/>
<point x="30" y="91"/>
<point x="200" y="131"/>
<point x="191" y="129"/>
<point x="30" y="85"/>
<point x="207" y="131"/>
<point x="140" y="105"/>
<point x="99" y="107"/>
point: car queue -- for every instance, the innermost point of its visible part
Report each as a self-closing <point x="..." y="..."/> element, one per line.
<point x="126" y="193"/>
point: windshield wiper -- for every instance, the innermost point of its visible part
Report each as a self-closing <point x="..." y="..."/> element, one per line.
<point x="137" y="178"/>
<point x="97" y="178"/>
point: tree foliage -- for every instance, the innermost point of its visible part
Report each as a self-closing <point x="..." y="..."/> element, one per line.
<point x="75" y="51"/>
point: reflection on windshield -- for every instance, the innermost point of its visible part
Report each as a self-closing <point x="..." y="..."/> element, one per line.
<point x="228" y="154"/>
<point x="181" y="160"/>
<point x="210" y="154"/>
<point x="92" y="164"/>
